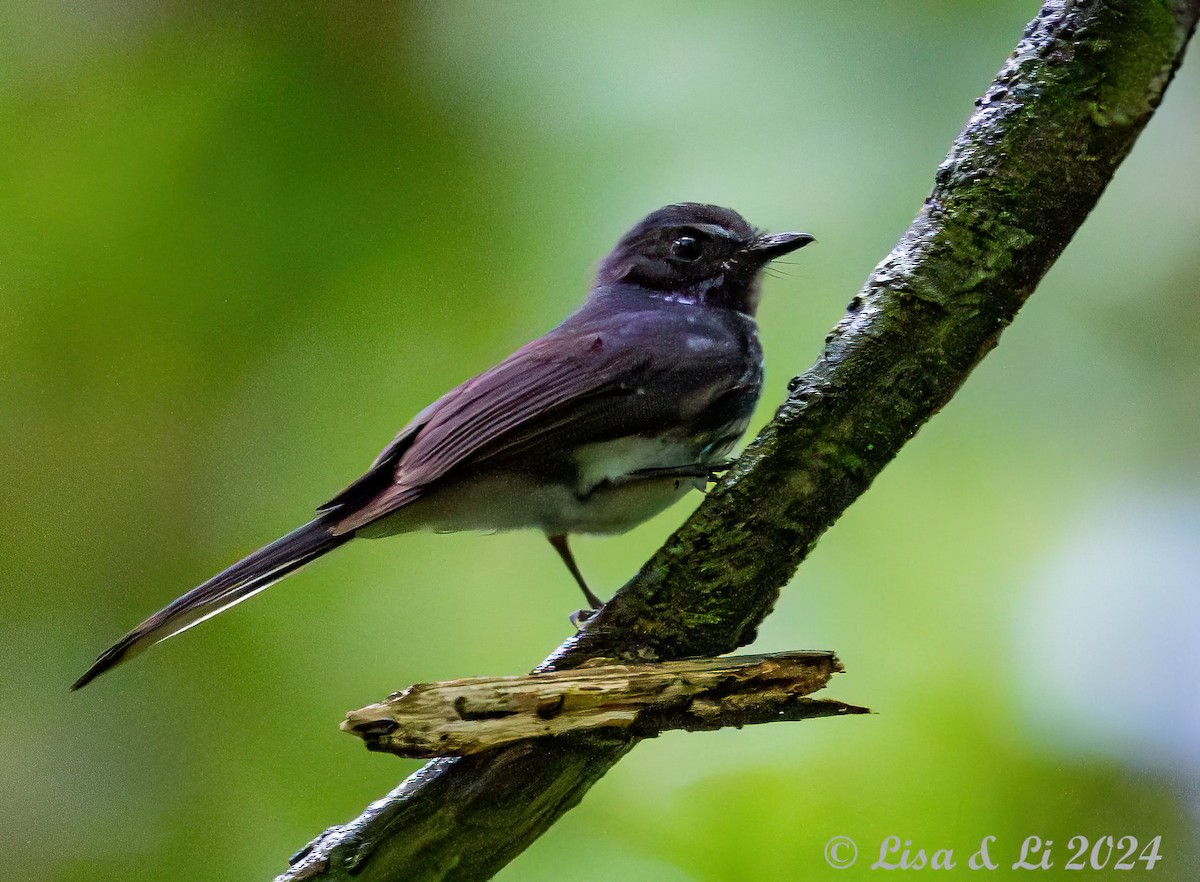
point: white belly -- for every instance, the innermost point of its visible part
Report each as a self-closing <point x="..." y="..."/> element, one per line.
<point x="605" y="500"/>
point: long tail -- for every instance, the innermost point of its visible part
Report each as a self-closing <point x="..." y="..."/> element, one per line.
<point x="245" y="578"/>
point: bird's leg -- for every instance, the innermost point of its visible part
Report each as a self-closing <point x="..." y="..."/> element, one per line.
<point x="564" y="551"/>
<point x="694" y="470"/>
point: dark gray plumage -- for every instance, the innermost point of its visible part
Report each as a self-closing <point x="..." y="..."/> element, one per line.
<point x="593" y="428"/>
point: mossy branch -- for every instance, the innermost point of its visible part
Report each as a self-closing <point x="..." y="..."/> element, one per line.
<point x="1042" y="145"/>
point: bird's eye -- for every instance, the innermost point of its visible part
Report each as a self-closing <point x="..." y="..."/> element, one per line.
<point x="686" y="249"/>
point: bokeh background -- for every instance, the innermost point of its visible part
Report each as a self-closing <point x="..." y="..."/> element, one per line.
<point x="240" y="247"/>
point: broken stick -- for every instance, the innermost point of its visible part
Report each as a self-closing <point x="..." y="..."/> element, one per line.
<point x="461" y="717"/>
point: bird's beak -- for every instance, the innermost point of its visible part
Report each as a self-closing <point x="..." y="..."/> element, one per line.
<point x="767" y="248"/>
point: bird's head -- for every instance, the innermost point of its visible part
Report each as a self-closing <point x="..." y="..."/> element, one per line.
<point x="698" y="253"/>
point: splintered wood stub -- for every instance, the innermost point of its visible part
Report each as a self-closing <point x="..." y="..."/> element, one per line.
<point x="460" y="717"/>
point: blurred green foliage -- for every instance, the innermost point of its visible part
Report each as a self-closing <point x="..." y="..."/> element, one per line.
<point x="240" y="247"/>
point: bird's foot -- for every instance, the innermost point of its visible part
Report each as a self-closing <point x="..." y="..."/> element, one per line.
<point x="718" y="469"/>
<point x="707" y="471"/>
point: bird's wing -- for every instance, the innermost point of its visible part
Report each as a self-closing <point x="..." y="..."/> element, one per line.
<point x="578" y="384"/>
<point x="567" y="366"/>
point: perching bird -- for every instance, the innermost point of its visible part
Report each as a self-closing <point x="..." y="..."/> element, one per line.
<point x="602" y="423"/>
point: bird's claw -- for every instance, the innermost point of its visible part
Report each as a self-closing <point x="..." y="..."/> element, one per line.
<point x="719" y="469"/>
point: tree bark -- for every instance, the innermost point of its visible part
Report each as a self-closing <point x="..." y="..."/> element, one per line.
<point x="1042" y="145"/>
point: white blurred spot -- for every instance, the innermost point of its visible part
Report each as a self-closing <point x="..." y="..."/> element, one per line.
<point x="1107" y="634"/>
